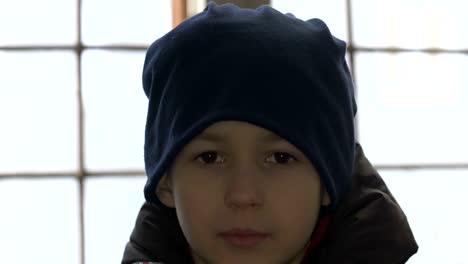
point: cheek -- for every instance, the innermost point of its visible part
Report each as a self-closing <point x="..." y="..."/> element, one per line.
<point x="297" y="206"/>
<point x="196" y="208"/>
<point x="297" y="223"/>
<point x="299" y="214"/>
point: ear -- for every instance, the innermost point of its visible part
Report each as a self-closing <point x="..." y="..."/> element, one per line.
<point x="325" y="197"/>
<point x="164" y="192"/>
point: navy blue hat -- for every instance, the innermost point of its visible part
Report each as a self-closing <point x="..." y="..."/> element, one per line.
<point x="254" y="65"/>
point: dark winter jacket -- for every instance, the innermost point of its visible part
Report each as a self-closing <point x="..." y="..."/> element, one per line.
<point x="368" y="227"/>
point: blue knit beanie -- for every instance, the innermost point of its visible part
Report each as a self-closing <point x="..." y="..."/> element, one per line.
<point x="254" y="65"/>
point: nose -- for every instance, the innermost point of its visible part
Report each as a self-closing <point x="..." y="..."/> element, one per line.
<point x="243" y="189"/>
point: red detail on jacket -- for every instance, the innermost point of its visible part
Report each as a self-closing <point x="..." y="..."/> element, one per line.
<point x="317" y="235"/>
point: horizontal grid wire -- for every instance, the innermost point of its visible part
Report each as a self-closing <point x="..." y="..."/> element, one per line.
<point x="75" y="48"/>
<point x="132" y="173"/>
<point x="351" y="48"/>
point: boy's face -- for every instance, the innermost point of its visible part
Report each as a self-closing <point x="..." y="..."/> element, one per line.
<point x="238" y="175"/>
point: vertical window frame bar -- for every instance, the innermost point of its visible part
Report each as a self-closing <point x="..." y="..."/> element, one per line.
<point x="80" y="175"/>
<point x="352" y="57"/>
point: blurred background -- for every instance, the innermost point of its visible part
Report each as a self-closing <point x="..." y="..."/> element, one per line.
<point x="72" y="115"/>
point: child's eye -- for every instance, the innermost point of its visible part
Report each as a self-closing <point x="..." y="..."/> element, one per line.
<point x="281" y="158"/>
<point x="210" y="157"/>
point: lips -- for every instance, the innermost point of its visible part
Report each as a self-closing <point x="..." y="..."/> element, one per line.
<point x="244" y="237"/>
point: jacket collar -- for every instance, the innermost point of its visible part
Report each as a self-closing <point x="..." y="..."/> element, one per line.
<point x="368" y="226"/>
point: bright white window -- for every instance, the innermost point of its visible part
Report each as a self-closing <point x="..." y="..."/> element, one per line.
<point x="49" y="138"/>
<point x="111" y="85"/>
<point x="111" y="205"/>
<point x="38" y="111"/>
<point x="40" y="217"/>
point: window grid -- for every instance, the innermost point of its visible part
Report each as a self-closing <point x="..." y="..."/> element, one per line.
<point x="179" y="11"/>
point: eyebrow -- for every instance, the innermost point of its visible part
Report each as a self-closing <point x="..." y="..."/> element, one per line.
<point x="267" y="137"/>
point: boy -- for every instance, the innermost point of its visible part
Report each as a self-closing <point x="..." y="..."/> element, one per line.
<point x="250" y="150"/>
